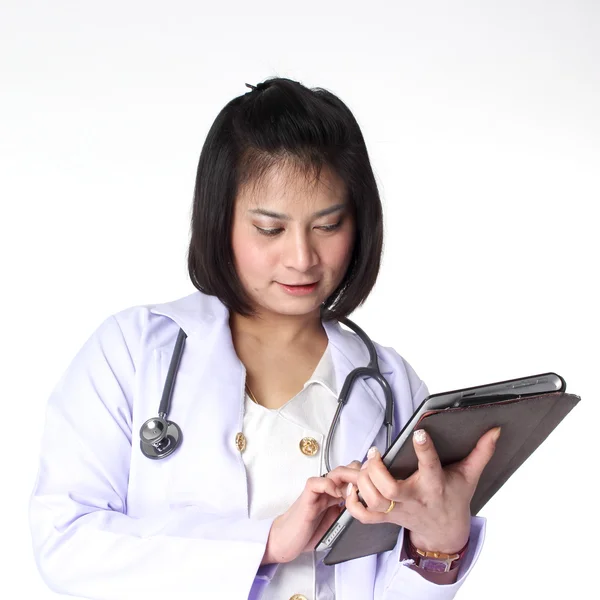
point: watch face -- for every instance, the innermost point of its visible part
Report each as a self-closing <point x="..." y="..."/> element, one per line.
<point x="434" y="564"/>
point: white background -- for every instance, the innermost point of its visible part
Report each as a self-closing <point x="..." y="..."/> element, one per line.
<point x="482" y="124"/>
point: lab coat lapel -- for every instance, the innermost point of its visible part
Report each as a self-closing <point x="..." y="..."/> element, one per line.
<point x="207" y="402"/>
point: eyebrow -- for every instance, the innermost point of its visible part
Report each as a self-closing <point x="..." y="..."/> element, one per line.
<point x="276" y="215"/>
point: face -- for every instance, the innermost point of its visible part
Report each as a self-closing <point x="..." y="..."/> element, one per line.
<point x="292" y="240"/>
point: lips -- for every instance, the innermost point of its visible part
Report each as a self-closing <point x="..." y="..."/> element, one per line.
<point x="299" y="289"/>
<point x="300" y="284"/>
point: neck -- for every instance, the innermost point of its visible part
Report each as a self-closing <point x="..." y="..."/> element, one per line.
<point x="277" y="330"/>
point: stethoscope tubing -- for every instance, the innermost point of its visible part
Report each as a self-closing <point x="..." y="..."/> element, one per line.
<point x="165" y="402"/>
<point x="153" y="449"/>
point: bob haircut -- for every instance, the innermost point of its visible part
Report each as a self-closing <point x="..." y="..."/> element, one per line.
<point x="280" y="121"/>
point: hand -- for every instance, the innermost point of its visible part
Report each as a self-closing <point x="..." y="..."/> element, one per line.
<point x="310" y="516"/>
<point x="433" y="503"/>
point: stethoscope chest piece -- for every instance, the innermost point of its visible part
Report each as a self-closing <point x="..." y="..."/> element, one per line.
<point x="159" y="437"/>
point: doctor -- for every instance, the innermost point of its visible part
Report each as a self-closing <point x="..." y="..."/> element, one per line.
<point x="286" y="239"/>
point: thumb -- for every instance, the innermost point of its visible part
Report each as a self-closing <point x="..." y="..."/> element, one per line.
<point x="472" y="466"/>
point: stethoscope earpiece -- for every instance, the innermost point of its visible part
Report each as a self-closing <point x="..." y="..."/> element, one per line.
<point x="159" y="437"/>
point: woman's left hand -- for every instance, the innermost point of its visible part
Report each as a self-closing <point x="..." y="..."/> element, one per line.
<point x="433" y="503"/>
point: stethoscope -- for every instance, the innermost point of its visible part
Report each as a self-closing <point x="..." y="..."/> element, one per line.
<point x="160" y="437"/>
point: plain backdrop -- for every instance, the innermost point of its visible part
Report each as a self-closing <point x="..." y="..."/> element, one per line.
<point x="482" y="124"/>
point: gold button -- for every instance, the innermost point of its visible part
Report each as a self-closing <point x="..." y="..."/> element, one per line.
<point x="310" y="447"/>
<point x="240" y="441"/>
<point x="298" y="597"/>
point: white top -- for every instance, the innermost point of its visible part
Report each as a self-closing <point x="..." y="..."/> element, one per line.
<point x="277" y="471"/>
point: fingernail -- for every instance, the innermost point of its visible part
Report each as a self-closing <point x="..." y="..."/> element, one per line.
<point x="349" y="489"/>
<point x="373" y="452"/>
<point x="497" y="434"/>
<point x="339" y="493"/>
<point x="420" y="436"/>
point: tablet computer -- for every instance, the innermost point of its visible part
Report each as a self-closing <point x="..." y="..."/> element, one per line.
<point x="499" y="392"/>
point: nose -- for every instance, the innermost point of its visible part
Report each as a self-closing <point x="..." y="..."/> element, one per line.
<point x="299" y="252"/>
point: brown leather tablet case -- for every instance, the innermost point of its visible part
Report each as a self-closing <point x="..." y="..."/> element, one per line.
<point x="526" y="423"/>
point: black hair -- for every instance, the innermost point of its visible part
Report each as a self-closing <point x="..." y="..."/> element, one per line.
<point x="282" y="121"/>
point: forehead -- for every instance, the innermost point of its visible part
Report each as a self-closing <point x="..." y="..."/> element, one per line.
<point x="287" y="187"/>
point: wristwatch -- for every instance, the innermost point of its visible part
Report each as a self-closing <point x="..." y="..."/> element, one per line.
<point x="438" y="562"/>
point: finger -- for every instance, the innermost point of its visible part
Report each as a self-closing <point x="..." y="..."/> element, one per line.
<point x="324" y="485"/>
<point x="358" y="511"/>
<point x="355" y="464"/>
<point x="370" y="494"/>
<point x="472" y="466"/>
<point x="430" y="467"/>
<point x="341" y="476"/>
<point x="380" y="478"/>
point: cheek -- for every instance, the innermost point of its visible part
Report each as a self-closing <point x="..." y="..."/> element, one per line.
<point x="250" y="256"/>
<point x="338" y="253"/>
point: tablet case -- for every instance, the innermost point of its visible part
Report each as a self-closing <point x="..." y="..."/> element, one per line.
<point x="526" y="423"/>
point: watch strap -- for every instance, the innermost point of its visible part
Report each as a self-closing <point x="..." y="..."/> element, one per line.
<point x="439" y="562"/>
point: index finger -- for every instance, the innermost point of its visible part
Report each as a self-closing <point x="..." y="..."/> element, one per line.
<point x="430" y="466"/>
<point x="389" y="487"/>
<point x="343" y="475"/>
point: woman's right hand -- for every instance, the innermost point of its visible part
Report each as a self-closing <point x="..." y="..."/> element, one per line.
<point x="310" y="516"/>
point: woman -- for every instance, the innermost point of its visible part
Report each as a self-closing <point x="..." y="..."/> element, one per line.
<point x="286" y="240"/>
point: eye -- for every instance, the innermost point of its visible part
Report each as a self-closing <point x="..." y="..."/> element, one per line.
<point x="268" y="232"/>
<point x="332" y="227"/>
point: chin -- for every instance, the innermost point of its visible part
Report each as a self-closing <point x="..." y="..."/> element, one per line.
<point x="273" y="300"/>
<point x="294" y="307"/>
<point x="293" y="311"/>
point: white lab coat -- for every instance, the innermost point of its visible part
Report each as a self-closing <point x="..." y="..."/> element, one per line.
<point x="108" y="523"/>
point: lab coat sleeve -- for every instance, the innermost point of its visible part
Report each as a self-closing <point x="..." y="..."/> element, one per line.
<point x="395" y="580"/>
<point x="84" y="542"/>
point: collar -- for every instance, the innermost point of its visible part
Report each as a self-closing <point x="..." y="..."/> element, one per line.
<point x="324" y="373"/>
<point x="205" y="320"/>
<point x="193" y="312"/>
<point x="197" y="312"/>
